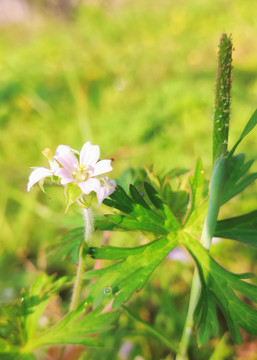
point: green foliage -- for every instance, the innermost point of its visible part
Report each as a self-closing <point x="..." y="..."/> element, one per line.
<point x="19" y="335"/>
<point x="151" y="330"/>
<point x="68" y="246"/>
<point x="20" y="320"/>
<point x="138" y="69"/>
<point x="248" y="128"/>
<point x="135" y="264"/>
<point x="139" y="216"/>
<point x="218" y="290"/>
<point x="236" y="178"/>
<point x="130" y="273"/>
<point x="76" y="327"/>
<point x="241" y="228"/>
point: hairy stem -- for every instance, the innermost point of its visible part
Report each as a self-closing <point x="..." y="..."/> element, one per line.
<point x="89" y="227"/>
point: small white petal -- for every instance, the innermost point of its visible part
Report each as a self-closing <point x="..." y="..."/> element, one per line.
<point x="89" y="154"/>
<point x="53" y="165"/>
<point x="66" y="158"/>
<point x="37" y="175"/>
<point x="90" y="185"/>
<point x="102" y="167"/>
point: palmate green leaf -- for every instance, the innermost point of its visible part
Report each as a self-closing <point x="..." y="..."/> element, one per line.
<point x="218" y="290"/>
<point x="248" y="128"/>
<point x="76" y="327"/>
<point x="121" y="279"/>
<point x="155" y="217"/>
<point x="241" y="228"/>
<point x="236" y="178"/>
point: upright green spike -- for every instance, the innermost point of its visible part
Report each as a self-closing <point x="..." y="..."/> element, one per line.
<point x="222" y="97"/>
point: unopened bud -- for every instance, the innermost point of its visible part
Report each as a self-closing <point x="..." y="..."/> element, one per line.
<point x="47" y="153"/>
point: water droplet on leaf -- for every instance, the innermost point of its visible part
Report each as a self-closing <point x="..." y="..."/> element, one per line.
<point x="108" y="291"/>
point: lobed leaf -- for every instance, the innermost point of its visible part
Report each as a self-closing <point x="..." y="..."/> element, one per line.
<point x="130" y="273"/>
<point x="77" y="328"/>
<point x="218" y="290"/>
<point x="241" y="228"/>
<point x="248" y="128"/>
<point x="236" y="178"/>
<point x="138" y="215"/>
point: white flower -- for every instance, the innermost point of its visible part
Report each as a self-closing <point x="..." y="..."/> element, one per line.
<point x="85" y="170"/>
<point x="41" y="173"/>
<point x="82" y="168"/>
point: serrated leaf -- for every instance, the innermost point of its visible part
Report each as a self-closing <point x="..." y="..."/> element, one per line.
<point x="241" y="228"/>
<point x="137" y="197"/>
<point x="119" y="200"/>
<point x="130" y="273"/>
<point x="248" y="128"/>
<point x="236" y="178"/>
<point x="206" y="316"/>
<point x="171" y="223"/>
<point x="102" y="223"/>
<point x="138" y="214"/>
<point x="76" y="328"/>
<point x="177" y="200"/>
<point x="218" y="287"/>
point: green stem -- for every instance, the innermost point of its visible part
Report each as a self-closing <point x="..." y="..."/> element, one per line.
<point x="220" y="141"/>
<point x="188" y="327"/>
<point x="216" y="188"/>
<point x="88" y="217"/>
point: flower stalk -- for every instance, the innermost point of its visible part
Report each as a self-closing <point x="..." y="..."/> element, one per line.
<point x="222" y="97"/>
<point x="89" y="228"/>
<point x="220" y="143"/>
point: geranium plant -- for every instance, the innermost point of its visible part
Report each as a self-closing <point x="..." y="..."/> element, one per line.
<point x="169" y="218"/>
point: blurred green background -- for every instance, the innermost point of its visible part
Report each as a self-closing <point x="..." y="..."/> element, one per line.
<point x="137" y="78"/>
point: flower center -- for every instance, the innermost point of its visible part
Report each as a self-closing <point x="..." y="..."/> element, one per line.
<point x="80" y="173"/>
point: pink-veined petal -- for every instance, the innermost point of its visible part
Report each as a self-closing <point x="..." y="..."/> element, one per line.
<point x="89" y="154"/>
<point x="65" y="176"/>
<point x="90" y="185"/>
<point x="66" y="158"/>
<point x="38" y="174"/>
<point x="102" y="167"/>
